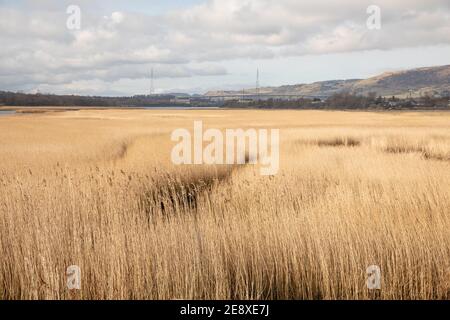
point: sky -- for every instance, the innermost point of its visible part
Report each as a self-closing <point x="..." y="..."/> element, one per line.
<point x="195" y="46"/>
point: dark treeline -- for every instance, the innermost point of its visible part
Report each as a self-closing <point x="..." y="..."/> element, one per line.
<point x="337" y="101"/>
<point x="36" y="100"/>
<point x="372" y="101"/>
<point x="341" y="101"/>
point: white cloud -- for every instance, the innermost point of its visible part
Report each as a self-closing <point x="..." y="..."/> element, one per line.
<point x="117" y="17"/>
<point x="37" y="48"/>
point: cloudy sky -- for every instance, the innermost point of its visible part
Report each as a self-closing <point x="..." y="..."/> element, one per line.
<point x="199" y="45"/>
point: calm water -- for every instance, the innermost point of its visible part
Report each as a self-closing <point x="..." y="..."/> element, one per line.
<point x="179" y="108"/>
<point x="6" y="112"/>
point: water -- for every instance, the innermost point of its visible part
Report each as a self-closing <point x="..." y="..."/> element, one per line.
<point x="179" y="108"/>
<point x="6" y="112"/>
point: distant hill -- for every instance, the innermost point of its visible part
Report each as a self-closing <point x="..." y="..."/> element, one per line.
<point x="418" y="82"/>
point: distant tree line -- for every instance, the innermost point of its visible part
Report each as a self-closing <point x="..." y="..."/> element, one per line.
<point x="372" y="101"/>
<point x="277" y="104"/>
<point x="343" y="100"/>
<point x="36" y="100"/>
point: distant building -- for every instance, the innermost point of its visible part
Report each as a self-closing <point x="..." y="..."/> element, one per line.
<point x="181" y="100"/>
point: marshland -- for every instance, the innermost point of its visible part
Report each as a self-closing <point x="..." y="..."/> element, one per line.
<point x="97" y="189"/>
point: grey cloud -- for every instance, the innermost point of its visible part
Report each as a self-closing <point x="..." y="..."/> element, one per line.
<point x="37" y="48"/>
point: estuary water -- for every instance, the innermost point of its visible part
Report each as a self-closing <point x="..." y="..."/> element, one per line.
<point x="6" y="112"/>
<point x="179" y="108"/>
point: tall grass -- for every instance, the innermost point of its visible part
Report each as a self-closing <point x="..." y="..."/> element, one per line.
<point x="96" y="189"/>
